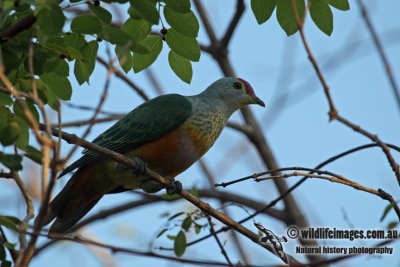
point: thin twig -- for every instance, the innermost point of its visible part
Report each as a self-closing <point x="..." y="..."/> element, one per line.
<point x="381" y="52"/>
<point x="124" y="78"/>
<point x="88" y="121"/>
<point x="29" y="209"/>
<point x="223" y="251"/>
<point x="240" y="7"/>
<point x="110" y="72"/>
<point x="13" y="252"/>
<point x="211" y="181"/>
<point x="89" y="108"/>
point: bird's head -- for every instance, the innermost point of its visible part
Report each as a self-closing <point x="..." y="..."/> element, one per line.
<point x="235" y="92"/>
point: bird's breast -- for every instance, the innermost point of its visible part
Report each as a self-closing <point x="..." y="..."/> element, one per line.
<point x="178" y="150"/>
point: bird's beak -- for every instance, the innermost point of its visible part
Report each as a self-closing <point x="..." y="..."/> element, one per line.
<point x="258" y="101"/>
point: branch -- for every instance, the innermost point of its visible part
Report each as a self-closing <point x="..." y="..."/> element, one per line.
<point x="240" y="7"/>
<point x="115" y="249"/>
<point x="18" y="27"/>
<point x="212" y="231"/>
<point x="333" y="114"/>
<point x="381" y="52"/>
<point x="297" y="184"/>
<point x="122" y="76"/>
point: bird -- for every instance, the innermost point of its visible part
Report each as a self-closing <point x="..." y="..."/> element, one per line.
<point x="166" y="134"/>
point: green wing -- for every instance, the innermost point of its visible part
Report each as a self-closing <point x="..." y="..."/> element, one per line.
<point x="147" y="122"/>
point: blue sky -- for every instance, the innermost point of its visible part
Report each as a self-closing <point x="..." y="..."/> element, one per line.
<point x="298" y="132"/>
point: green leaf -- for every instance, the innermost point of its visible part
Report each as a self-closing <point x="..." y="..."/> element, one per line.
<point x="124" y="58"/>
<point x="23" y="138"/>
<point x="101" y="13"/>
<point x="30" y="106"/>
<point x="154" y="45"/>
<point x="322" y="16"/>
<point x="194" y="192"/>
<point x="162" y="232"/>
<point x="81" y="71"/>
<point x="146" y="9"/>
<point x="182" y="6"/>
<point x="197" y="227"/>
<point x="170" y="197"/>
<point x="74" y="40"/>
<point x="180" y="244"/>
<point x="263" y="9"/>
<point x="10" y="222"/>
<point x="181" y="66"/>
<point x="6" y="264"/>
<point x="138" y="29"/>
<point x="118" y="37"/>
<point x="51" y="21"/>
<point x="2" y="252"/>
<point x="187" y="222"/>
<point x="392" y="225"/>
<point x="86" y="24"/>
<point x="182" y="45"/>
<point x="171" y="237"/>
<point x="5" y="99"/>
<point x="285" y="15"/>
<point x="13" y="162"/>
<point x="386" y="211"/>
<point x="9" y="133"/>
<point x="184" y="23"/>
<point x="176" y="215"/>
<point x="340" y="4"/>
<point x="33" y="154"/>
<point x="59" y="85"/>
<point x="5" y="115"/>
<point x="84" y="67"/>
<point x="62" y="68"/>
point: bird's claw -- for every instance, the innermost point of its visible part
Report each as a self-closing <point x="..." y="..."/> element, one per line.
<point x="174" y="187"/>
<point x="140" y="168"/>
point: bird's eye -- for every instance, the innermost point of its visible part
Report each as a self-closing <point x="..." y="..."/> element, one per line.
<point x="237" y="85"/>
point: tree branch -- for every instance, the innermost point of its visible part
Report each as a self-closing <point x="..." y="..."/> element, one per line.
<point x="381" y="52"/>
<point x="240" y="7"/>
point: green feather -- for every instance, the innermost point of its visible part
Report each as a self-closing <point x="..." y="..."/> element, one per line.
<point x="149" y="121"/>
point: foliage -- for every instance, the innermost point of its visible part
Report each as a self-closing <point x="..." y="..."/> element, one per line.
<point x="320" y="12"/>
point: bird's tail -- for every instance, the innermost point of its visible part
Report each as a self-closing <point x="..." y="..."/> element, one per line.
<point x="62" y="225"/>
<point x="57" y="203"/>
<point x="72" y="203"/>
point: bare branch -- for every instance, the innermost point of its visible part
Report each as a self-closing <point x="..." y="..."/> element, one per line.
<point x="212" y="231"/>
<point x="240" y="7"/>
<point x="115" y="249"/>
<point x="122" y="76"/>
<point x="381" y="52"/>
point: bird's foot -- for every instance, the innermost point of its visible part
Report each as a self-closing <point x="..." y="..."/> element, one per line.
<point x="174" y="187"/>
<point x="141" y="167"/>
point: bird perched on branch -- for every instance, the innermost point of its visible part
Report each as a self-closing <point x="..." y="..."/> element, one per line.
<point x="166" y="134"/>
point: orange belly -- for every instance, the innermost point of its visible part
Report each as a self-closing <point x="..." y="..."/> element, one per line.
<point x="173" y="153"/>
